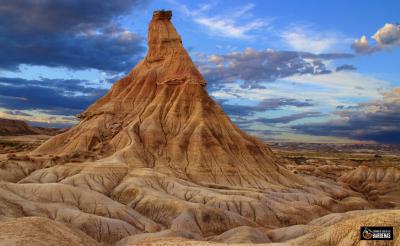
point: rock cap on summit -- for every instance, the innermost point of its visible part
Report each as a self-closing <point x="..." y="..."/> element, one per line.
<point x="162" y="15"/>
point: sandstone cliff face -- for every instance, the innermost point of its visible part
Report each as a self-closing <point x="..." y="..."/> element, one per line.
<point x="160" y="116"/>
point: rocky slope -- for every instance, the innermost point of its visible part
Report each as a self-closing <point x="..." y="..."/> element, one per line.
<point x="157" y="157"/>
<point x="160" y="116"/>
<point x="10" y="127"/>
<point x="38" y="231"/>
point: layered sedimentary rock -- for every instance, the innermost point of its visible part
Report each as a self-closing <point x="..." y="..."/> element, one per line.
<point x="379" y="184"/>
<point x="160" y="116"/>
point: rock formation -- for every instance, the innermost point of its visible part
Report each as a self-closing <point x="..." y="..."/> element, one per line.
<point x="37" y="231"/>
<point x="18" y="127"/>
<point x="160" y="116"/>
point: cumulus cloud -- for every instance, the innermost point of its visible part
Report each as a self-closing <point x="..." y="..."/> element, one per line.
<point x="75" y="34"/>
<point x="374" y="121"/>
<point x="386" y="37"/>
<point x="362" y="46"/>
<point x="389" y="34"/>
<point x="255" y="67"/>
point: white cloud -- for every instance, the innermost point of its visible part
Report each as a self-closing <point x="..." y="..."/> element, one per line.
<point x="232" y="24"/>
<point x="221" y="26"/>
<point x="361" y="45"/>
<point x="389" y="34"/>
<point x="326" y="90"/>
<point x="192" y="12"/>
<point x="304" y="38"/>
<point x="345" y="84"/>
<point x="386" y="37"/>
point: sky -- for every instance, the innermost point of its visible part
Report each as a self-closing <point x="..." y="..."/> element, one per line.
<point x="302" y="71"/>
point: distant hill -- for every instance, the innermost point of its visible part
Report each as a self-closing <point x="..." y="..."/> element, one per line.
<point x="10" y="127"/>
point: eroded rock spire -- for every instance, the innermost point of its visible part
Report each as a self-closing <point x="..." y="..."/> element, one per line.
<point x="160" y="116"/>
<point x="167" y="54"/>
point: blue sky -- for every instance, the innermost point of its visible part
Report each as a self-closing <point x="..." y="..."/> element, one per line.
<point x="283" y="70"/>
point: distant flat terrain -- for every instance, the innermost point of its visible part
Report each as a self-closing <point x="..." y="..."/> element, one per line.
<point x="337" y="147"/>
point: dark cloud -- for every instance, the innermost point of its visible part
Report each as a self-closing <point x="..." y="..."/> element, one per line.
<point x="289" y="118"/>
<point x="253" y="67"/>
<point x="386" y="37"/>
<point x="276" y="103"/>
<point x="346" y="67"/>
<point x="77" y="34"/>
<point x="60" y="15"/>
<point x="376" y="121"/>
<point x="58" y="96"/>
<point x="239" y="110"/>
<point x="330" y="56"/>
<point x="99" y="51"/>
<point x="348" y="107"/>
<point x="264" y="105"/>
<point x="242" y="122"/>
